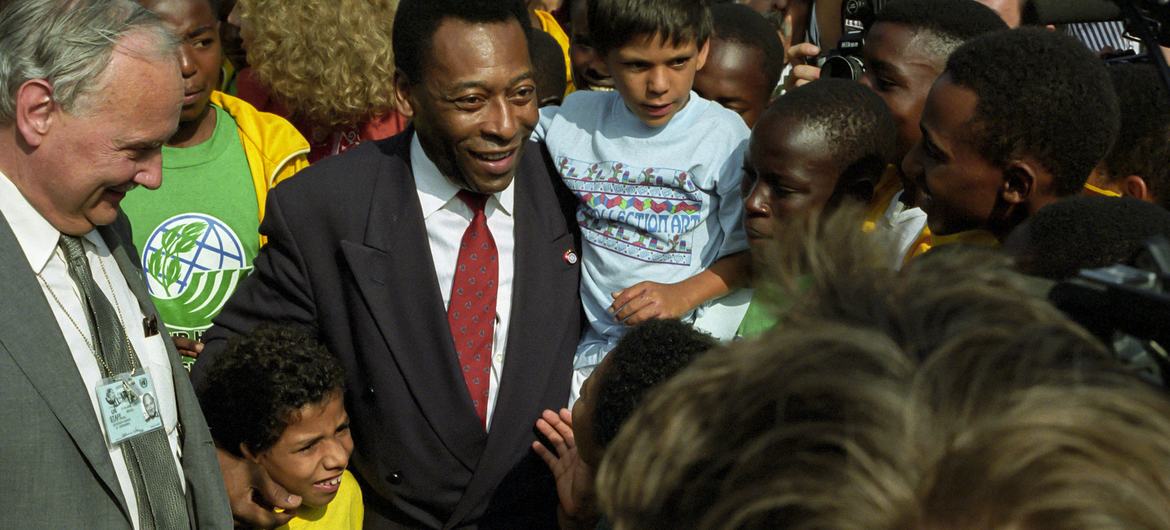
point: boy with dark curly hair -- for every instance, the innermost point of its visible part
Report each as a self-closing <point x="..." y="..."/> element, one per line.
<point x="1017" y="121"/>
<point x="275" y="397"/>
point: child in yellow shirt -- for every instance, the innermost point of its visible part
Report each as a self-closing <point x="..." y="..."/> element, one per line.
<point x="275" y="397"/>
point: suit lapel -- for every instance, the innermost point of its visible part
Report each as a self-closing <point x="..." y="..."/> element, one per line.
<point x="37" y="346"/>
<point x="394" y="271"/>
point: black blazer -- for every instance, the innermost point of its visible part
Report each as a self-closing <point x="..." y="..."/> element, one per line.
<point x="347" y="255"/>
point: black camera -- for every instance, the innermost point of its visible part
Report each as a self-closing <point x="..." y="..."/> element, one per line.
<point x="844" y="61"/>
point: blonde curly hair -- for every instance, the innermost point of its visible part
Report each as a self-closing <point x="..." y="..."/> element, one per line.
<point x="331" y="63"/>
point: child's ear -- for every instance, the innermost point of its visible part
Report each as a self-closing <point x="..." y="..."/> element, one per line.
<point x="248" y="453"/>
<point x="1020" y="179"/>
<point x="1135" y="186"/>
<point x="701" y="59"/>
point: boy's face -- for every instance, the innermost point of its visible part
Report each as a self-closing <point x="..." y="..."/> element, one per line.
<point x="734" y="78"/>
<point x="312" y="451"/>
<point x="901" y="73"/>
<point x="200" y="53"/>
<point x="583" y="409"/>
<point x="962" y="189"/>
<point x="789" y="173"/>
<point x="587" y="64"/>
<point x="655" y="77"/>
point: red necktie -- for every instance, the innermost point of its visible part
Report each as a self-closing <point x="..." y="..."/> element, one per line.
<point x="471" y="312"/>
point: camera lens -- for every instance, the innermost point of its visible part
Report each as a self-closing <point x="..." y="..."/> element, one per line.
<point x="842" y="67"/>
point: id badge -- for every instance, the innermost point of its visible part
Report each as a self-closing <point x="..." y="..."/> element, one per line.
<point x="129" y="406"/>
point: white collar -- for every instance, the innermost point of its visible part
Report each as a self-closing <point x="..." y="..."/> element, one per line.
<point x="36" y="236"/>
<point x="435" y="190"/>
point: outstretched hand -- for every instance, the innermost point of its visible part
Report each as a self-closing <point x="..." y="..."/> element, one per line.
<point x="802" y="73"/>
<point x="573" y="477"/>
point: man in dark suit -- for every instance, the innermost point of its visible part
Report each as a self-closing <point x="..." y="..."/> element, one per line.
<point x="102" y="428"/>
<point x="441" y="267"/>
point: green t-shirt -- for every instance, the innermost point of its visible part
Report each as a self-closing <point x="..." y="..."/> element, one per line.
<point x="199" y="232"/>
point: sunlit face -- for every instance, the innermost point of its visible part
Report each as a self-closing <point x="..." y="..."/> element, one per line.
<point x="901" y="74"/>
<point x="476" y="104"/>
<point x="87" y="160"/>
<point x="734" y="77"/>
<point x="789" y="173"/>
<point x="588" y="67"/>
<point x="654" y="77"/>
<point x="961" y="187"/>
<point x="312" y="452"/>
<point x="200" y="54"/>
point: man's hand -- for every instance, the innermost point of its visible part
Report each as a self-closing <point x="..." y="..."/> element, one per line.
<point x="253" y="494"/>
<point x="802" y="73"/>
<point x="189" y="347"/>
<point x="650" y="300"/>
<point x="573" y="477"/>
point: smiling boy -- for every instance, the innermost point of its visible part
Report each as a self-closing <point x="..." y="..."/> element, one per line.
<point x="656" y="169"/>
<point x="275" y="397"/>
<point x="198" y="234"/>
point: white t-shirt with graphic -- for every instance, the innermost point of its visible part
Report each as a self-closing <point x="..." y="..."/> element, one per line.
<point x="656" y="203"/>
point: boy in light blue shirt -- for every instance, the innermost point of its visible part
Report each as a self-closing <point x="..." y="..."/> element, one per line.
<point x="657" y="171"/>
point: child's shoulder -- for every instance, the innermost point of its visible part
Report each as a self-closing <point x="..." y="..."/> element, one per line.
<point x="720" y="121"/>
<point x="586" y="101"/>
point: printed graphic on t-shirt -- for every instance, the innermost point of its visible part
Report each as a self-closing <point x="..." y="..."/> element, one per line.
<point x="645" y="213"/>
<point x="192" y="263"/>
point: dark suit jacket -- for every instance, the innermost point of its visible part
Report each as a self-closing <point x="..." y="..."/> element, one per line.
<point x="58" y="472"/>
<point x="347" y="255"/>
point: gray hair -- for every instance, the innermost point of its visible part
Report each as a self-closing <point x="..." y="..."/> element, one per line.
<point x="68" y="43"/>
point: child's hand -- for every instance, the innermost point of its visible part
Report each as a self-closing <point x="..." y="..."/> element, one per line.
<point x="650" y="300"/>
<point x="573" y="477"/>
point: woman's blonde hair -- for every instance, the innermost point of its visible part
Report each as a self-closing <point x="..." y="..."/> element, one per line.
<point x="331" y="63"/>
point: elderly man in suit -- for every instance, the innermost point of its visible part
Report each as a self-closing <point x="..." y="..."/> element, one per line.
<point x="441" y="267"/>
<point x="90" y="91"/>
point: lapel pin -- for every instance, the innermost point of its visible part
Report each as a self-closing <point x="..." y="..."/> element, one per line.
<point x="570" y="257"/>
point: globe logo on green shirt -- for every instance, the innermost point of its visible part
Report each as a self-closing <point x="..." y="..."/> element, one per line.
<point x="194" y="261"/>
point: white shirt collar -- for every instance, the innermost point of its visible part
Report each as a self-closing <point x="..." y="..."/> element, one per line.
<point x="436" y="190"/>
<point x="37" y="237"/>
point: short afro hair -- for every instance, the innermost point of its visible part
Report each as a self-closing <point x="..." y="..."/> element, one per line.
<point x="647" y="355"/>
<point x="944" y="25"/>
<point x="1043" y="95"/>
<point x="258" y="384"/>
<point x="417" y="21"/>
<point x="1085" y="233"/>
<point x="615" y="23"/>
<point x="854" y="122"/>
<point x="1143" y="145"/>
<point x="548" y="63"/>
<point x="741" y="24"/>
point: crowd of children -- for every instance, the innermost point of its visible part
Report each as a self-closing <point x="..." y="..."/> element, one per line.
<point x="796" y="313"/>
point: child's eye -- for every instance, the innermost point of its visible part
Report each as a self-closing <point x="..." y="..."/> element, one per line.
<point x="307" y="448"/>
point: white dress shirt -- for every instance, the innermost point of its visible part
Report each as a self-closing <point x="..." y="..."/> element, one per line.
<point x="38" y="239"/>
<point x="447" y="218"/>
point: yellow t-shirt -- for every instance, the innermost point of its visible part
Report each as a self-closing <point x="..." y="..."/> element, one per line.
<point x="344" y="512"/>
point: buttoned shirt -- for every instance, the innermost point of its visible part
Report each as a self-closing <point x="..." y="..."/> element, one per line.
<point x="38" y="239"/>
<point x="447" y="218"/>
